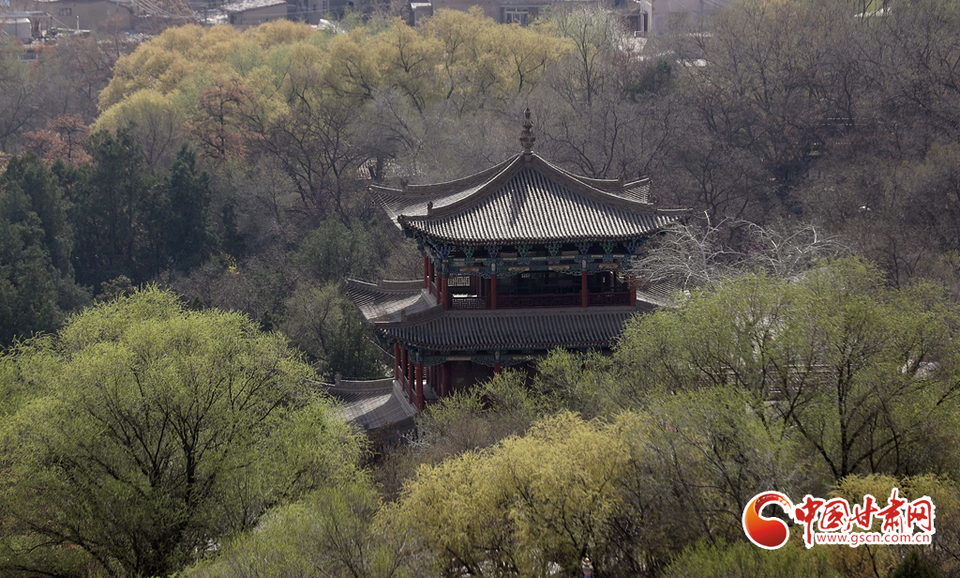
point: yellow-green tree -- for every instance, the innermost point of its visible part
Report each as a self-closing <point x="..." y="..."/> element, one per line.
<point x="485" y="63"/>
<point x="143" y="432"/>
<point x="409" y="62"/>
<point x="543" y="499"/>
<point x="334" y="532"/>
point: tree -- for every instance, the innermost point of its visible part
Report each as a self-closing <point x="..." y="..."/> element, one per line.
<point x="109" y="201"/>
<point x="74" y="70"/>
<point x="20" y="94"/>
<point x="37" y="285"/>
<point x="479" y="417"/>
<point x="168" y="60"/>
<point x="188" y="231"/>
<point x="322" y="322"/>
<point x="474" y="75"/>
<point x="217" y="125"/>
<point x="173" y="430"/>
<point x="744" y="560"/>
<point x="590" y="116"/>
<point x="939" y="558"/>
<point x="331" y="533"/>
<point x="409" y="63"/>
<point x="534" y="501"/>
<point x="153" y="120"/>
<point x="763" y="88"/>
<point x="702" y="254"/>
<point x="696" y="458"/>
<point x="64" y="138"/>
<point x="862" y="371"/>
<point x="597" y="36"/>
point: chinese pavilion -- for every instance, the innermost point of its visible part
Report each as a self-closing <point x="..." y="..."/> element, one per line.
<point x="518" y="259"/>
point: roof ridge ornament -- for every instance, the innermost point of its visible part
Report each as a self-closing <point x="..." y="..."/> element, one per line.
<point x="527" y="137"/>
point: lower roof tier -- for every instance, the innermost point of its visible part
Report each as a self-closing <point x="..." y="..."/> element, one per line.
<point x="513" y="330"/>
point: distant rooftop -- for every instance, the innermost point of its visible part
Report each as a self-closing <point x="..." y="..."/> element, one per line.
<point x="250" y="5"/>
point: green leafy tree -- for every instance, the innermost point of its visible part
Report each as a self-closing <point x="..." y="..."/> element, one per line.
<point x="153" y="120"/>
<point x="863" y="371"/>
<point x="352" y="353"/>
<point x="335" y="251"/>
<point x="331" y="533"/>
<point x="322" y="322"/>
<point x="696" y="458"/>
<point x="144" y="434"/>
<point x="28" y="279"/>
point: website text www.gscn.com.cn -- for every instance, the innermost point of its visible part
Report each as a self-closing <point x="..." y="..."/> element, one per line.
<point x="855" y="539"/>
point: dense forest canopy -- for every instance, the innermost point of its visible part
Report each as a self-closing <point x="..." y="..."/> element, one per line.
<point x="773" y="114"/>
<point x="230" y="168"/>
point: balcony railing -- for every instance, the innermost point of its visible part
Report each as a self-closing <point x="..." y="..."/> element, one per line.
<point x="609" y="299"/>
<point x="468" y="303"/>
<point x="531" y="301"/>
<point x="534" y="301"/>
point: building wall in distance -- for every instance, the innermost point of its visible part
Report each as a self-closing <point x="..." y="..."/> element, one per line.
<point x="257" y="15"/>
<point x="93" y="15"/>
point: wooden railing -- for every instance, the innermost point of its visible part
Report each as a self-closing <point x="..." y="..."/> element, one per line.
<point x="468" y="303"/>
<point x="530" y="301"/>
<point x="535" y="301"/>
<point x="609" y="299"/>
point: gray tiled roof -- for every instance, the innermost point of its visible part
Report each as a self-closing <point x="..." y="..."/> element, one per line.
<point x="390" y="301"/>
<point x="373" y="404"/>
<point x="527" y="199"/>
<point x="514" y="329"/>
<point x="401" y="310"/>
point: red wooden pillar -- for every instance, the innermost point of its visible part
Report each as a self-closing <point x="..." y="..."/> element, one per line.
<point x="493" y="291"/>
<point x="584" y="292"/>
<point x="396" y="360"/>
<point x="632" y="287"/>
<point x="426" y="270"/>
<point x="419" y="378"/>
<point x="403" y="369"/>
<point x="496" y="368"/>
<point x="411" y="373"/>
<point x="444" y="294"/>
